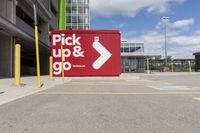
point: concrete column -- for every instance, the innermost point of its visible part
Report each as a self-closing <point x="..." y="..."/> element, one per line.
<point x="148" y="71"/>
<point x="6" y="56"/>
<point x="8" y="10"/>
<point x="44" y="64"/>
<point x="44" y="28"/>
<point x="197" y="63"/>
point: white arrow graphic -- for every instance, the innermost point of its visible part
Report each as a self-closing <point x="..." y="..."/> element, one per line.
<point x="104" y="54"/>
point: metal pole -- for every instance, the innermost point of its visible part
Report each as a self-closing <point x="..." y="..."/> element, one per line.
<point x="165" y="30"/>
<point x="17" y="64"/>
<point x="62" y="26"/>
<point x="50" y="68"/>
<point x="37" y="47"/>
<point x="71" y="13"/>
<point x="165" y="45"/>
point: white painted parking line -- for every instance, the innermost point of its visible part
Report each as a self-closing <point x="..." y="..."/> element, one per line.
<point x="171" y="88"/>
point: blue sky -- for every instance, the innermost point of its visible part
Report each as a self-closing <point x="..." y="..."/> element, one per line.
<point x="140" y="21"/>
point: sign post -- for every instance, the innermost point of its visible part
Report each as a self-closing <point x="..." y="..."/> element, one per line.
<point x="62" y="26"/>
<point x="37" y="47"/>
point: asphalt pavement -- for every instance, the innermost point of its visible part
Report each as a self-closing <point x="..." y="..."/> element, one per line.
<point x="151" y="104"/>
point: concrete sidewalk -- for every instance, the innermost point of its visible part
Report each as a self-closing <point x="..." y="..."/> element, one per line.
<point x="10" y="92"/>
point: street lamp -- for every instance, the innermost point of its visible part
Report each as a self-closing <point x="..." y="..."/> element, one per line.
<point x="164" y="20"/>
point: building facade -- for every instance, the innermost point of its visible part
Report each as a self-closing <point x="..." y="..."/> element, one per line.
<point x="17" y="27"/>
<point x="78" y="14"/>
<point x="197" y="61"/>
<point x="133" y="57"/>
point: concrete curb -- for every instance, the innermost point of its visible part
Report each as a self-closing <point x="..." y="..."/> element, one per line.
<point x="12" y="92"/>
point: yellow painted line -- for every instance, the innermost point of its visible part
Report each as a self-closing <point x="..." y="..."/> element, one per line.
<point x="195" y="87"/>
<point x="163" y="82"/>
<point x="115" y="83"/>
<point x="197" y="98"/>
<point x="153" y="87"/>
<point x="106" y="83"/>
<point x="119" y="93"/>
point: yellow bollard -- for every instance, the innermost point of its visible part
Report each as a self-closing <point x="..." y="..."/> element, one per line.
<point x="17" y="64"/>
<point x="190" y="68"/>
<point x="50" y="68"/>
<point x="148" y="70"/>
<point x="172" y="66"/>
<point x="62" y="60"/>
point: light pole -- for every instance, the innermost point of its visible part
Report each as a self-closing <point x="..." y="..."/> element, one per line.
<point x="164" y="20"/>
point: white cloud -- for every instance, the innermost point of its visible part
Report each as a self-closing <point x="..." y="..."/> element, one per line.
<point x="197" y="32"/>
<point x="153" y="41"/>
<point x="183" y="23"/>
<point x="179" y="45"/>
<point x="185" y="40"/>
<point x="129" y="7"/>
<point x="183" y="51"/>
<point x="119" y="26"/>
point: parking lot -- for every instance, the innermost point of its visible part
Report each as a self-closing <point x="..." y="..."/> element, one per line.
<point x="133" y="103"/>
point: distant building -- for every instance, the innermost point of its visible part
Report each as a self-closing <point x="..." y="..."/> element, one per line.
<point x="197" y="61"/>
<point x="17" y="27"/>
<point x="183" y="62"/>
<point x="179" y="65"/>
<point x="133" y="57"/>
<point x="78" y="14"/>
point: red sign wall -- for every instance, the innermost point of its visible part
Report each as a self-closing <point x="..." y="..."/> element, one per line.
<point x="86" y="52"/>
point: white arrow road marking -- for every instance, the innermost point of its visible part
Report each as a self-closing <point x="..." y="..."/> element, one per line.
<point x="104" y="55"/>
